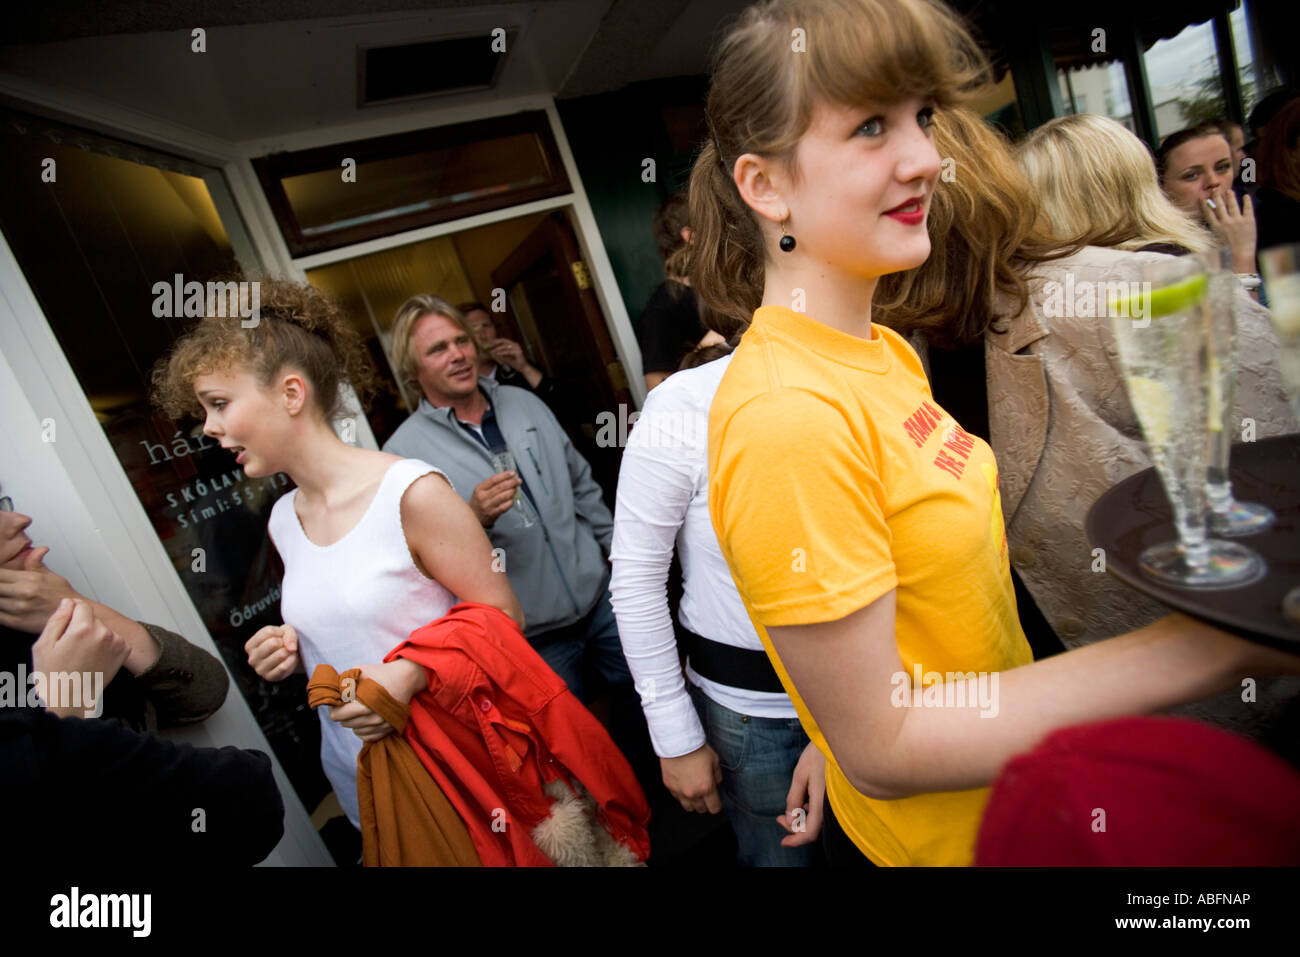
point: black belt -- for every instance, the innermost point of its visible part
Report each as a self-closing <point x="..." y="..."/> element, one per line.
<point x="729" y="665"/>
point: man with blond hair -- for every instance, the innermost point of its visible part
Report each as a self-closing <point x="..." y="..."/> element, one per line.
<point x="553" y="540"/>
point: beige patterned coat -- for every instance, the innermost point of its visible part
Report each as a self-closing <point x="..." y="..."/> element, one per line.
<point x="1064" y="432"/>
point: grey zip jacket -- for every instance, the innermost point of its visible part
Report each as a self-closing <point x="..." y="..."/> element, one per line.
<point x="559" y="566"/>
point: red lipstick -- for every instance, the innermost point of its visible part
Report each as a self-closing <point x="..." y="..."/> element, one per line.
<point x="910" y="213"/>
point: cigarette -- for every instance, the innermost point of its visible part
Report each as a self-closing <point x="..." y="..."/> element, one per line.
<point x="1210" y="203"/>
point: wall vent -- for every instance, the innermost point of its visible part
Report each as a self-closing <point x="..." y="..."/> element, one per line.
<point x="437" y="67"/>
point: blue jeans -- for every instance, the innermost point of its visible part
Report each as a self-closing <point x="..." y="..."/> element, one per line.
<point x="591" y="639"/>
<point x="757" y="756"/>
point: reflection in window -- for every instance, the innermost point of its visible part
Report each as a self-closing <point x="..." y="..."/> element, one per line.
<point x="1183" y="73"/>
<point x="326" y="203"/>
<point x="1243" y="49"/>
<point x="1098" y="88"/>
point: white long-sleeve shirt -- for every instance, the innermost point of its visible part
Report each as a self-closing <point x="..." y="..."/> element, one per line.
<point x="662" y="499"/>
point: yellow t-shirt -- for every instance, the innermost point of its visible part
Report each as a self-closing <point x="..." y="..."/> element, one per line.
<point x="834" y="478"/>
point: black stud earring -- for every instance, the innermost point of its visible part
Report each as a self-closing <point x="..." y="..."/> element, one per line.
<point x="787" y="242"/>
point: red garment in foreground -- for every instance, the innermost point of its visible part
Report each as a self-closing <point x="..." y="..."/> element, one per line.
<point x="497" y="725"/>
<point x="1143" y="792"/>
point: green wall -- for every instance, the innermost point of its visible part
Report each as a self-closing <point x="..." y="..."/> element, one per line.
<point x="611" y="134"/>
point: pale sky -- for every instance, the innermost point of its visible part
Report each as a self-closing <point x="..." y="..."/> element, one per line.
<point x="1187" y="57"/>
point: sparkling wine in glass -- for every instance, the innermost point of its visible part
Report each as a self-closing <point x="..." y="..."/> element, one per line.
<point x="504" y="461"/>
<point x="1281" y="268"/>
<point x="1227" y="515"/>
<point x="1163" y="338"/>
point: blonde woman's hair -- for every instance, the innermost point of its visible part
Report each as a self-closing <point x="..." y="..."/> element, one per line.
<point x="408" y="314"/>
<point x="774" y="65"/>
<point x="1096" y="185"/>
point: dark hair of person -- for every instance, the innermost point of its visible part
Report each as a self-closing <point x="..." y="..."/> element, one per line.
<point x="1268" y="106"/>
<point x="702" y="354"/>
<point x="1279" y="152"/>
<point x="669" y="221"/>
<point x="1175" y="140"/>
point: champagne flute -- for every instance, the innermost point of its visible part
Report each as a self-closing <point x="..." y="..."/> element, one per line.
<point x="504" y="461"/>
<point x="1163" y="339"/>
<point x="1281" y="268"/>
<point x="1227" y="515"/>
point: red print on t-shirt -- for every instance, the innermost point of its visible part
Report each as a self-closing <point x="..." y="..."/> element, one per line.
<point x="957" y="442"/>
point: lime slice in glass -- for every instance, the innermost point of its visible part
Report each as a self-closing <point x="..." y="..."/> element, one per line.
<point x="1165" y="301"/>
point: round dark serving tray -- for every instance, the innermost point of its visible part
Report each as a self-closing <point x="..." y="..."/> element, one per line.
<point x="1135" y="515"/>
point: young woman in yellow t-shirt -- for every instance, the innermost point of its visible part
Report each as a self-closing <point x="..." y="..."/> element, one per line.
<point x="863" y="527"/>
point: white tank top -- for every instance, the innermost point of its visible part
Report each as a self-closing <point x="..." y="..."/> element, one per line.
<point x="354" y="601"/>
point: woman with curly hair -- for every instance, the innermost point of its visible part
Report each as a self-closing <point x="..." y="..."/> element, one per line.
<point x="374" y="545"/>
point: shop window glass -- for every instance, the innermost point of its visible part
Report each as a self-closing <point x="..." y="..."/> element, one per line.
<point x="115" y="221"/>
<point x="1097" y="88"/>
<point x="1243" y="50"/>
